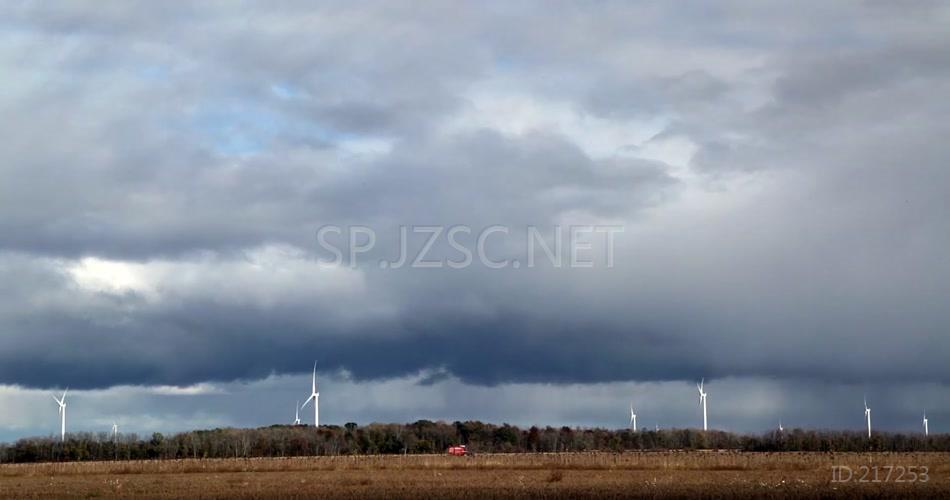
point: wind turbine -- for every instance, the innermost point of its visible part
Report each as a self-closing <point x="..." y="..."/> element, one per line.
<point x="297" y="413"/>
<point x="315" y="396"/>
<point x="62" y="413"/>
<point x="780" y="428"/>
<point x="926" y="430"/>
<point x="702" y="400"/>
<point x="115" y="440"/>
<point x="633" y="418"/>
<point x="867" y="414"/>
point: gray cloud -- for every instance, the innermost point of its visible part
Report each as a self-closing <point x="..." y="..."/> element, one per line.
<point x="780" y="176"/>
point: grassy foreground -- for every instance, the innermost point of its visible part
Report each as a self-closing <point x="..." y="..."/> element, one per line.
<point x="554" y="475"/>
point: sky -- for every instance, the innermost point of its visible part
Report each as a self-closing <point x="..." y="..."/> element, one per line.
<point x="761" y="191"/>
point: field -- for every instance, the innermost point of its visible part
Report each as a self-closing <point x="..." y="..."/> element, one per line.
<point x="564" y="475"/>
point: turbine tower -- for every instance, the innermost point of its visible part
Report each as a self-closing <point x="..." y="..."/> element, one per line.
<point x="702" y="400"/>
<point x="115" y="432"/>
<point x="633" y="418"/>
<point x="926" y="430"/>
<point x="297" y="413"/>
<point x="867" y="414"/>
<point x="315" y="396"/>
<point x="62" y="413"/>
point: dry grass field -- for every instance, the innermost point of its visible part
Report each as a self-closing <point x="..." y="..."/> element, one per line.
<point x="565" y="475"/>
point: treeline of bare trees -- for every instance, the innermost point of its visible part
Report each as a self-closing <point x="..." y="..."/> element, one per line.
<point x="425" y="436"/>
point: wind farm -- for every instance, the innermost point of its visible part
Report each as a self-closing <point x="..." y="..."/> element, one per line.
<point x="313" y="398"/>
<point x="590" y="459"/>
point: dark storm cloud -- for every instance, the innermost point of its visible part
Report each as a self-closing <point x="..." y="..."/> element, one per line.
<point x="805" y="239"/>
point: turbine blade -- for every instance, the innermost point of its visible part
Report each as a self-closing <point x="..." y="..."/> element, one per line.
<point x="307" y="401"/>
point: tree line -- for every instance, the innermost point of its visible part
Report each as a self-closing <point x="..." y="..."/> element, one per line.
<point x="425" y="436"/>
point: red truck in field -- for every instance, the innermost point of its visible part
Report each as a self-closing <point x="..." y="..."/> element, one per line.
<point x="458" y="451"/>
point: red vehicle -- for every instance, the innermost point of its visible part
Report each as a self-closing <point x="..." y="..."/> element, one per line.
<point x="458" y="451"/>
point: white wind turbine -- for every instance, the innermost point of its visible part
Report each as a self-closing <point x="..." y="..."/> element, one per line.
<point x="115" y="432"/>
<point x="633" y="418"/>
<point x="702" y="400"/>
<point x="297" y="413"/>
<point x="926" y="430"/>
<point x="780" y="428"/>
<point x="315" y="396"/>
<point x="62" y="413"/>
<point x="867" y="414"/>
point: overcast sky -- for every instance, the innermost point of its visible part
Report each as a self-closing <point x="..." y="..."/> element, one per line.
<point x="779" y="173"/>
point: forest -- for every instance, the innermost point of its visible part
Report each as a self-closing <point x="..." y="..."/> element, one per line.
<point x="425" y="436"/>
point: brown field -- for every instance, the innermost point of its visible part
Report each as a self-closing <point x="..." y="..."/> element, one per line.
<point x="564" y="475"/>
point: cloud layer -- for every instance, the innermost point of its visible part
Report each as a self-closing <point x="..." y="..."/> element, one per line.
<point x="779" y="174"/>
